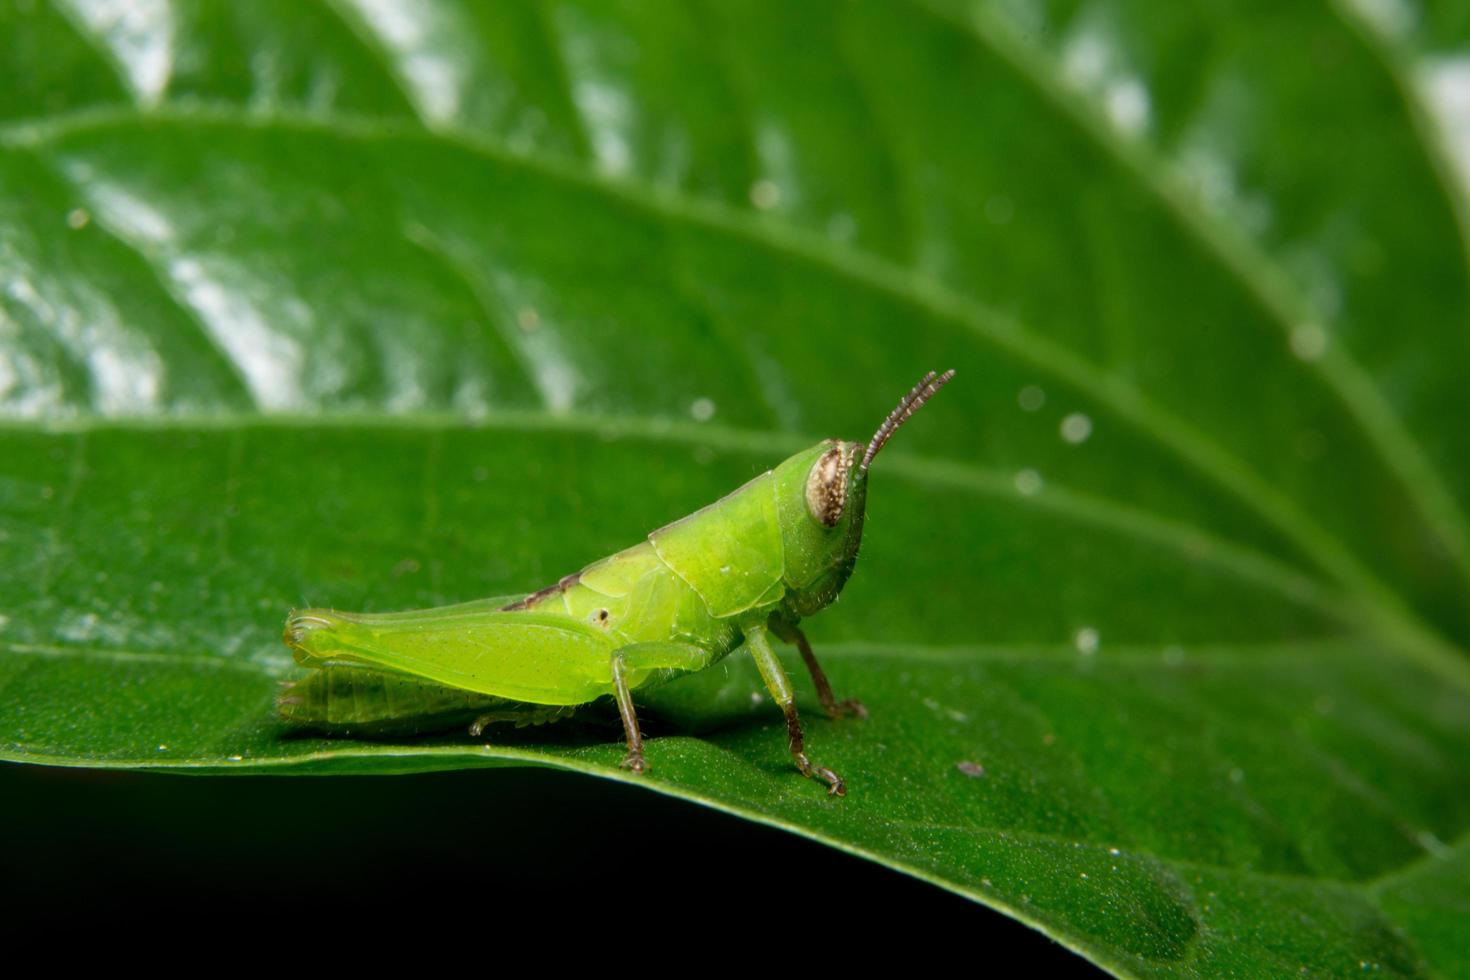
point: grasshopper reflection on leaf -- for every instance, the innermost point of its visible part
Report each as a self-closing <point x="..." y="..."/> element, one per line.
<point x="749" y="566"/>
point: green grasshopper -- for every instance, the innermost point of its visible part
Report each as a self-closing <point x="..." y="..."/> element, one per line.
<point x="750" y="565"/>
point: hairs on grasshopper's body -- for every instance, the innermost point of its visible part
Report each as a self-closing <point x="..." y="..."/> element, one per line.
<point x="755" y="562"/>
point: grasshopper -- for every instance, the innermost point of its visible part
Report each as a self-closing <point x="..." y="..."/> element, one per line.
<point x="749" y="566"/>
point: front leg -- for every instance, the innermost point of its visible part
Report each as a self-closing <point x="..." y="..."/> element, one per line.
<point x="780" y="687"/>
<point x="792" y="633"/>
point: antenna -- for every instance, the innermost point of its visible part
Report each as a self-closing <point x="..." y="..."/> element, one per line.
<point x="907" y="406"/>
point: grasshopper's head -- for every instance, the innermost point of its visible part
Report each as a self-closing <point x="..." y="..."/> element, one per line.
<point x="824" y="496"/>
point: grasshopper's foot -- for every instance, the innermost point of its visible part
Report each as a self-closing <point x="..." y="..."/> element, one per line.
<point x="835" y="785"/>
<point x="477" y="727"/>
<point x="780" y="687"/>
<point x="841" y="709"/>
<point x="635" y="762"/>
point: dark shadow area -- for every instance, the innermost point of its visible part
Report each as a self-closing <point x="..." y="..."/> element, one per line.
<point x="474" y="855"/>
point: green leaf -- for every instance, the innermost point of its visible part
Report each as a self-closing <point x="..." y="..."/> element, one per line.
<point x="1162" y="611"/>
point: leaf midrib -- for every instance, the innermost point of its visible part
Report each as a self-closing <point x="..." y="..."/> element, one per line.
<point x="1243" y="562"/>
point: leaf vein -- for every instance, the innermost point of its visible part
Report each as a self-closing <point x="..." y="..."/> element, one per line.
<point x="431" y="245"/>
<point x="562" y="75"/>
<point x="104" y="52"/>
<point x="376" y="48"/>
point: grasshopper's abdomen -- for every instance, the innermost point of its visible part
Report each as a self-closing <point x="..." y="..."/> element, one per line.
<point x="339" y="699"/>
<point x="691" y="581"/>
<point x="638" y="598"/>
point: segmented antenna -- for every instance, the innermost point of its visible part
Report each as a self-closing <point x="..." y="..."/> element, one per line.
<point x="907" y="406"/>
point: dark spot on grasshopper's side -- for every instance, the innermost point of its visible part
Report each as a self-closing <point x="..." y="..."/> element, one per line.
<point x="567" y="581"/>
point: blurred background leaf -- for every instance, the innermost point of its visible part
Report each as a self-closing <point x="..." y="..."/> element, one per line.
<point x="1162" y="608"/>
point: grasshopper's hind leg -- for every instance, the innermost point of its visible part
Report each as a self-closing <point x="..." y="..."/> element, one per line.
<point x="780" y="687"/>
<point x="792" y="633"/>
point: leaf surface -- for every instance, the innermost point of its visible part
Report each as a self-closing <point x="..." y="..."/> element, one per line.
<point x="1161" y="611"/>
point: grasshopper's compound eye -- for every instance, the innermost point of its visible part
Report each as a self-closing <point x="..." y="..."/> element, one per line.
<point x="826" y="486"/>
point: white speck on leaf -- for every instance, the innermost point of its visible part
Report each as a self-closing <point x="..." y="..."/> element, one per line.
<point x="1076" y="428"/>
<point x="1028" y="483"/>
<point x="1127" y="105"/>
<point x="1308" y="341"/>
<point x="764" y="194"/>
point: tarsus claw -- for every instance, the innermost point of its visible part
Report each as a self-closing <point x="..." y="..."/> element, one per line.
<point x="836" y="787"/>
<point x="835" y="784"/>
